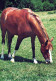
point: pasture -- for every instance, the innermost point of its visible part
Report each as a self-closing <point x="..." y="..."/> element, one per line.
<point x="24" y="69"/>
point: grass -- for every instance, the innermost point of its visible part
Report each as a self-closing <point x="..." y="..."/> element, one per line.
<point x="23" y="69"/>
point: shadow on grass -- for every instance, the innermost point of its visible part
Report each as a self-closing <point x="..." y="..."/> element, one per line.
<point x="20" y="59"/>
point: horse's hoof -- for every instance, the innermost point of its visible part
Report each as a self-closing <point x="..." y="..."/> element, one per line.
<point x="12" y="60"/>
<point x="35" y="61"/>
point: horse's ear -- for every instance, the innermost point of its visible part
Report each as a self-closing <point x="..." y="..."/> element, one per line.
<point x="46" y="43"/>
<point x="51" y="39"/>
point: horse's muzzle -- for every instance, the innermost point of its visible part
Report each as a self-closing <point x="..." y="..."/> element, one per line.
<point x="48" y="61"/>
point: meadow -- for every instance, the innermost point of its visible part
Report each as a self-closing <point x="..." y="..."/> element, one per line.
<point x="24" y="69"/>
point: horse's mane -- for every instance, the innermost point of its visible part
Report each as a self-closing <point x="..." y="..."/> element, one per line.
<point x="40" y="23"/>
<point x="44" y="33"/>
<point x="42" y="26"/>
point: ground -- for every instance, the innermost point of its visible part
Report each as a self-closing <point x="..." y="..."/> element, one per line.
<point x="24" y="69"/>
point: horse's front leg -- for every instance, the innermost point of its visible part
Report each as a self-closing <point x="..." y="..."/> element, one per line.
<point x="33" y="48"/>
<point x="19" y="40"/>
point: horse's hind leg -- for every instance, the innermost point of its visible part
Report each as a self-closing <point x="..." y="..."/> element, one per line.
<point x="19" y="40"/>
<point x="33" y="48"/>
<point x="3" y="42"/>
<point x="10" y="36"/>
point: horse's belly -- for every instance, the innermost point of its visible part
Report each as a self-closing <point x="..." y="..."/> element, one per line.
<point x="25" y="33"/>
<point x="24" y="30"/>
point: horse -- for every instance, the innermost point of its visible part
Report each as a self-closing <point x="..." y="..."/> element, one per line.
<point x="25" y="23"/>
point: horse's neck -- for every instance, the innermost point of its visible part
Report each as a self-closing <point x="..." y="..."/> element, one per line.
<point x="43" y="31"/>
<point x="38" y="28"/>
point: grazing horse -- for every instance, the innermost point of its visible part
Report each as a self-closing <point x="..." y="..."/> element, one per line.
<point x="25" y="23"/>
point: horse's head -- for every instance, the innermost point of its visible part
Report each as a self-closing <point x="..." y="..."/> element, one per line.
<point x="46" y="50"/>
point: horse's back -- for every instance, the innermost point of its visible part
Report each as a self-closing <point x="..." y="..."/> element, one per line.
<point x="15" y="20"/>
<point x="6" y="12"/>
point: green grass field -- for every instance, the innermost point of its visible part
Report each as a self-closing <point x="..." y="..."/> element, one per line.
<point x="23" y="69"/>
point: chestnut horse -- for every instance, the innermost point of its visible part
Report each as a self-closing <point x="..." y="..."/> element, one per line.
<point x="25" y="23"/>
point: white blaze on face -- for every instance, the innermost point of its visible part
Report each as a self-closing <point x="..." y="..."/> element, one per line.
<point x="50" y="56"/>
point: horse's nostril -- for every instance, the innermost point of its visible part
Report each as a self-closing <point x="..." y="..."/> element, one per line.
<point x="47" y="61"/>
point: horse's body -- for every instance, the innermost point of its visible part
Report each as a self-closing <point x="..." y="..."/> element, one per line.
<point x="20" y="22"/>
<point x="24" y="23"/>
